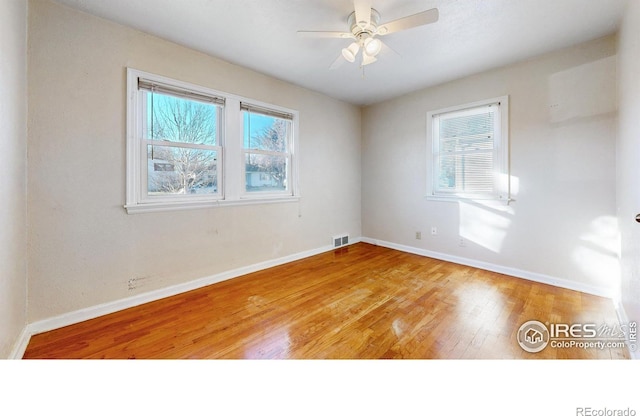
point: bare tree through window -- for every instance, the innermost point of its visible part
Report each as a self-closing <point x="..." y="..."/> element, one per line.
<point x="186" y="131"/>
<point x="266" y="158"/>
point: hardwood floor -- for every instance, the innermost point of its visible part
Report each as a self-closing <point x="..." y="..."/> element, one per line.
<point x="363" y="302"/>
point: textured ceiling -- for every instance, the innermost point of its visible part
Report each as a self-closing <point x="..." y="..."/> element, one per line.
<point x="470" y="36"/>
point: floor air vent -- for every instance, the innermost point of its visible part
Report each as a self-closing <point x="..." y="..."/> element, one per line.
<point x="341" y="240"/>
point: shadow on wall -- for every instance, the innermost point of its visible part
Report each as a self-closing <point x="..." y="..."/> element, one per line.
<point x="583" y="91"/>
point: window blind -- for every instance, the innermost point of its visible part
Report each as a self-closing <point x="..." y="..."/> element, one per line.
<point x="265" y="111"/>
<point x="466" y="147"/>
<point x="157" y="87"/>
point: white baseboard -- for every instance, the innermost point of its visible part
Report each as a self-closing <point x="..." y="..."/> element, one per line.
<point x="21" y="345"/>
<point x="510" y="271"/>
<point x="91" y="312"/>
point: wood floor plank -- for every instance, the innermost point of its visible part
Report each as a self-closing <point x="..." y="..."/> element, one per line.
<point x="358" y="302"/>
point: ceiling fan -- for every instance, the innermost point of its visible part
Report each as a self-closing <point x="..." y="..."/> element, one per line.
<point x="364" y="26"/>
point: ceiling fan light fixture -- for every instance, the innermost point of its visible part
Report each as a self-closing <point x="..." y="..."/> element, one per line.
<point x="372" y="46"/>
<point x="350" y="52"/>
<point x="368" y="59"/>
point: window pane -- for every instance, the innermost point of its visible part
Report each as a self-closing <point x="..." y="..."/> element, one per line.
<point x="466" y="143"/>
<point x="265" y="173"/>
<point x="180" y="120"/>
<point x="262" y="132"/>
<point x="471" y="173"/>
<point x="179" y="170"/>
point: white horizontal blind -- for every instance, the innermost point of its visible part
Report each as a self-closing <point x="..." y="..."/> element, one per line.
<point x="154" y="86"/>
<point x="265" y="111"/>
<point x="465" y="151"/>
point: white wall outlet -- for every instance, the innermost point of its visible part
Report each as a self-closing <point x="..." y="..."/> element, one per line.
<point x="418" y="235"/>
<point x="462" y="242"/>
<point x="434" y="230"/>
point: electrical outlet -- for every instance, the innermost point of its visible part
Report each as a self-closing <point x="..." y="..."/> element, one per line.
<point x="462" y="242"/>
<point x="434" y="230"/>
<point x="418" y="235"/>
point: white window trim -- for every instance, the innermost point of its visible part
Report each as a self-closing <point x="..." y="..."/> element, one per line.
<point x="230" y="181"/>
<point x="501" y="151"/>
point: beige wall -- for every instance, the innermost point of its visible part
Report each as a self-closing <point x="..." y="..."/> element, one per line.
<point x="562" y="134"/>
<point x="83" y="246"/>
<point x="13" y="191"/>
<point x="629" y="158"/>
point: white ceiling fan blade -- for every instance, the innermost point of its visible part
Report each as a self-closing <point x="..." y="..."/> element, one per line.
<point x="363" y="12"/>
<point x="386" y="49"/>
<point x="338" y="62"/>
<point x="324" y="34"/>
<point x="418" y="19"/>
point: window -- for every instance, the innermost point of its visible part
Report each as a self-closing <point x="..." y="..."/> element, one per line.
<point x="468" y="151"/>
<point x="266" y="150"/>
<point x="191" y="147"/>
<point x="181" y="134"/>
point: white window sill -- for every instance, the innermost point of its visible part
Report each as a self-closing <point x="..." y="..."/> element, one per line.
<point x="182" y="205"/>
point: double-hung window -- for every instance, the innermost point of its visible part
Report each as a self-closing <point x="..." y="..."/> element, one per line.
<point x="191" y="147"/>
<point x="180" y="136"/>
<point x="266" y="151"/>
<point x="468" y="151"/>
<point x="174" y="144"/>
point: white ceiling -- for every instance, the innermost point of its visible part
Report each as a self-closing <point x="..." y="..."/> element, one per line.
<point x="470" y="36"/>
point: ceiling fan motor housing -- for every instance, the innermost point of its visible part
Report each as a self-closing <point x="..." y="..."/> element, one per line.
<point x="360" y="32"/>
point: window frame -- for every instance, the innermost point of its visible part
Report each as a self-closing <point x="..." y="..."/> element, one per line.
<point x="230" y="187"/>
<point x="501" y="175"/>
<point x="276" y="112"/>
<point x="145" y="198"/>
